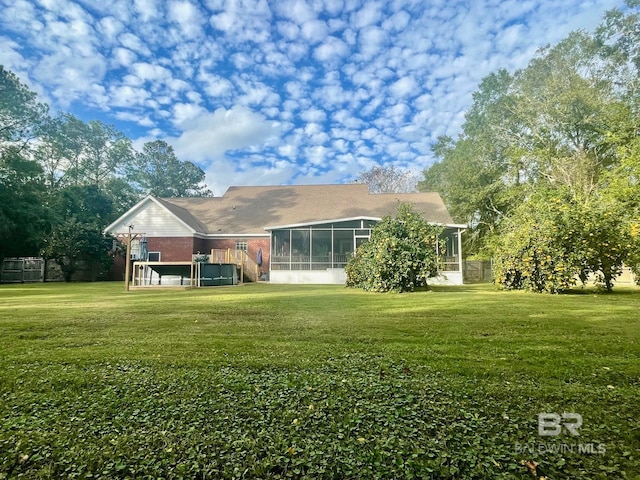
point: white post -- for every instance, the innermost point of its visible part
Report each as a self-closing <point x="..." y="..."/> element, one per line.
<point x="127" y="268"/>
<point x="460" y="255"/>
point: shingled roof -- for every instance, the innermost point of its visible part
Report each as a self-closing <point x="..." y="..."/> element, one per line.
<point x="246" y="210"/>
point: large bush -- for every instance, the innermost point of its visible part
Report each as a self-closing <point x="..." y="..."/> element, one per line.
<point x="552" y="241"/>
<point x="634" y="253"/>
<point x="401" y="254"/>
<point x="536" y="248"/>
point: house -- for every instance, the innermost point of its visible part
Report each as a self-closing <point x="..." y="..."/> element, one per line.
<point x="304" y="233"/>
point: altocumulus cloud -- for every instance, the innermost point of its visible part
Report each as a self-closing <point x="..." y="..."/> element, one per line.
<point x="289" y="91"/>
<point x="209" y="135"/>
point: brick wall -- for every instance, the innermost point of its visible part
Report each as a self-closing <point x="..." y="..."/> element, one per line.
<point x="201" y="245"/>
<point x="172" y="249"/>
<point x="253" y="245"/>
<point x="180" y="249"/>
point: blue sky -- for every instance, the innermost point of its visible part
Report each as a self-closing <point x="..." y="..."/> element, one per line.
<point x="279" y="92"/>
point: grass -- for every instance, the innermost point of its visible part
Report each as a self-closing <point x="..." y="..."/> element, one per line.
<point x="276" y="381"/>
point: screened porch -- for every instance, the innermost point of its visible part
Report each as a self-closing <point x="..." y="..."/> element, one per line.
<point x="329" y="245"/>
<point x="318" y="247"/>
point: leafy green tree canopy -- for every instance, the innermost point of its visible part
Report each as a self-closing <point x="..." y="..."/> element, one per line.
<point x="24" y="212"/>
<point x="157" y="171"/>
<point x="20" y="113"/>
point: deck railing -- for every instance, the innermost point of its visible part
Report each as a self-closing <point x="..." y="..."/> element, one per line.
<point x="248" y="267"/>
<point x="307" y="262"/>
<point x="450" y="264"/>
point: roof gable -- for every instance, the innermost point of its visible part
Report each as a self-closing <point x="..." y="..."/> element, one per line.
<point x="153" y="217"/>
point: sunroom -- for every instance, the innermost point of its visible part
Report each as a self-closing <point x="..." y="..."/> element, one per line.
<point x="317" y="252"/>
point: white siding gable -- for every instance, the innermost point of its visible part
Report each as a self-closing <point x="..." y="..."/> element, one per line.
<point x="152" y="220"/>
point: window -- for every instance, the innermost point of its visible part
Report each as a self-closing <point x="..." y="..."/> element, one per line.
<point x="241" y="246"/>
<point x="154" y="256"/>
<point x="135" y="248"/>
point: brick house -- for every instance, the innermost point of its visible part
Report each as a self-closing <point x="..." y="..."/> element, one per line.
<point x="305" y="233"/>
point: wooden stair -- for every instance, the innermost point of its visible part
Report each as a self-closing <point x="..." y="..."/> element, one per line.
<point x="249" y="269"/>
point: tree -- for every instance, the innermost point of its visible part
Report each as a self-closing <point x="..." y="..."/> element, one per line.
<point x="57" y="194"/>
<point x="564" y="122"/>
<point x="24" y="213"/>
<point x="20" y="113"/>
<point x="388" y="180"/>
<point x="121" y="194"/>
<point x="72" y="241"/>
<point x="606" y="242"/>
<point x="618" y="39"/>
<point x="536" y="246"/>
<point x="569" y="110"/>
<point x="401" y="254"/>
<point x="60" y="150"/>
<point x="472" y="187"/>
<point x="76" y="235"/>
<point x="157" y="171"/>
<point x="106" y="152"/>
<point x="73" y="152"/>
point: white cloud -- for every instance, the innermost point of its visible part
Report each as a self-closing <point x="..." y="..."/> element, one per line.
<point x="314" y="115"/>
<point x="12" y="59"/>
<point x="209" y="135"/>
<point x="331" y="49"/>
<point x="397" y="22"/>
<point x="128" y="96"/>
<point x="144" y="121"/>
<point x="188" y="16"/>
<point x="214" y="85"/>
<point x="288" y="30"/>
<point x="371" y="41"/>
<point x="297" y="11"/>
<point x="370" y="14"/>
<point x="110" y="28"/>
<point x="184" y="113"/>
<point x="150" y="72"/>
<point x="225" y="172"/>
<point x="17" y="13"/>
<point x="147" y="9"/>
<point x="242" y="20"/>
<point x="404" y="87"/>
<point x="124" y="57"/>
<point x="314" y="31"/>
<point x="132" y="42"/>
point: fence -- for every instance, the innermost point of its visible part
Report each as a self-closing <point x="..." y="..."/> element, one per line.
<point x="37" y="269"/>
<point x="22" y="270"/>
<point x="477" y="271"/>
<point x="482" y="271"/>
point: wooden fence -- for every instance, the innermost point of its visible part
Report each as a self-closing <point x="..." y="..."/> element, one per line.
<point x="477" y="271"/>
<point x="22" y="270"/>
<point x="37" y="269"/>
<point x="482" y="271"/>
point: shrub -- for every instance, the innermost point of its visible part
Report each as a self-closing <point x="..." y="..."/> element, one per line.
<point x="552" y="240"/>
<point x="401" y="254"/>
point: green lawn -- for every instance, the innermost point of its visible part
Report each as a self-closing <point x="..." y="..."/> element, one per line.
<point x="275" y="381"/>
